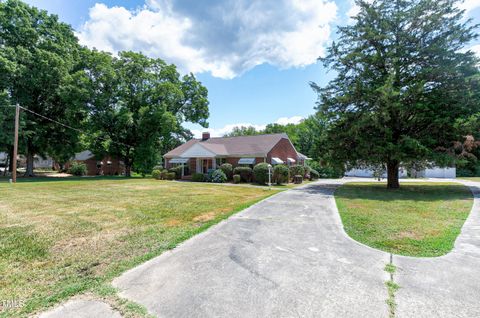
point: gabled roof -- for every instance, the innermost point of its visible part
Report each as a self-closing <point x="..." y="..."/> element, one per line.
<point x="255" y="146"/>
<point x="84" y="155"/>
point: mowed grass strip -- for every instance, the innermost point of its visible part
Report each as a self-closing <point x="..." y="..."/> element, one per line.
<point x="475" y="179"/>
<point x="419" y="219"/>
<point x="61" y="238"/>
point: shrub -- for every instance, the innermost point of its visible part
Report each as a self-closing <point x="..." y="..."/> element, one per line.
<point x="281" y="174"/>
<point x="237" y="178"/>
<point x="177" y="170"/>
<point x="217" y="176"/>
<point x="314" y="175"/>
<point x="78" y="169"/>
<point x="171" y="175"/>
<point x="163" y="175"/>
<point x="157" y="174"/>
<point x="158" y="167"/>
<point x="244" y="172"/>
<point x="297" y="171"/>
<point x="306" y="175"/>
<point x="198" y="177"/>
<point x="227" y="169"/>
<point x="260" y="173"/>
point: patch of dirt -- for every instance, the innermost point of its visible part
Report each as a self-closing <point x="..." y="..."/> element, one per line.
<point x="410" y="235"/>
<point x="173" y="222"/>
<point x="204" y="217"/>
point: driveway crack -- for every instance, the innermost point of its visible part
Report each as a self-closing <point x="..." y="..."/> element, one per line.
<point x="392" y="287"/>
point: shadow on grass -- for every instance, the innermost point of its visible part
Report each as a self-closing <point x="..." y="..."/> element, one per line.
<point x="66" y="179"/>
<point x="407" y="192"/>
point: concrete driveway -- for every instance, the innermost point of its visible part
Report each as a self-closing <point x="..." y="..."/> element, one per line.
<point x="284" y="257"/>
<point x="288" y="256"/>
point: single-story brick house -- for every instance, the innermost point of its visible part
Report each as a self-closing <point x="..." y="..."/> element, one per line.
<point x="201" y="155"/>
<point x="107" y="166"/>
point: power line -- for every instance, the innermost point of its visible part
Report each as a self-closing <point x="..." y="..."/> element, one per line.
<point x="64" y="125"/>
<point x="70" y="127"/>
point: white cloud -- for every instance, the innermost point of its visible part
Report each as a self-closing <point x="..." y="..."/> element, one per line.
<point x="289" y="120"/>
<point x="469" y="5"/>
<point x="226" y="38"/>
<point x="476" y="49"/>
<point x="219" y="132"/>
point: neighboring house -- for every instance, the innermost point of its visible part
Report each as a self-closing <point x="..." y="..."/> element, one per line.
<point x="434" y="172"/>
<point x="201" y="155"/>
<point x="40" y="162"/>
<point x="108" y="166"/>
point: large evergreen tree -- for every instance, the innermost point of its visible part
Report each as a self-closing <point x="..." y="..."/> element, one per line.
<point x="403" y="82"/>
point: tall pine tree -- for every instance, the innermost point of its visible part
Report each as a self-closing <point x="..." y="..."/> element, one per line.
<point x="403" y="83"/>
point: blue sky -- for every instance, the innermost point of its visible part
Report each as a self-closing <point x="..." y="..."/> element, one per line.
<point x="255" y="57"/>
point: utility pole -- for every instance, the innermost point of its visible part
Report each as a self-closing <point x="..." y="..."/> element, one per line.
<point x="15" y="143"/>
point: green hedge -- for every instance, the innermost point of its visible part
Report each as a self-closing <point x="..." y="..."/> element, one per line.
<point x="198" y="177"/>
<point x="227" y="170"/>
<point x="297" y="171"/>
<point x="281" y="174"/>
<point x="260" y="173"/>
<point x="157" y="174"/>
<point x="78" y="169"/>
<point x="216" y="176"/>
<point x="244" y="172"/>
<point x="237" y="178"/>
<point x="177" y="170"/>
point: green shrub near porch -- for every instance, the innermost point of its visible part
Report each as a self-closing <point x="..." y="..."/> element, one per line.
<point x="281" y="174"/>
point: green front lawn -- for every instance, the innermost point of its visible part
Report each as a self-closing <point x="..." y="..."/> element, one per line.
<point x="419" y="219"/>
<point x="62" y="237"/>
<point x="476" y="179"/>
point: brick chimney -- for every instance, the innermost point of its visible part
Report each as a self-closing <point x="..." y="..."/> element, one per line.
<point x="205" y="136"/>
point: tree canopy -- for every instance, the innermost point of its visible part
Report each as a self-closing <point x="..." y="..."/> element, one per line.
<point x="38" y="58"/>
<point x="403" y="83"/>
<point x="136" y="103"/>
<point x="73" y="98"/>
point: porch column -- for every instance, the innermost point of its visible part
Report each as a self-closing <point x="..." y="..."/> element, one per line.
<point x="214" y="163"/>
<point x="199" y="166"/>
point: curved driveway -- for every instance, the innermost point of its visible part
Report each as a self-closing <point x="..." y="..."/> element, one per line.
<point x="288" y="256"/>
<point x="284" y="257"/>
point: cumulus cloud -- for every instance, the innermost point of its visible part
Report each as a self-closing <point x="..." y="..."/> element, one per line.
<point x="476" y="49"/>
<point x="225" y="37"/>
<point x="219" y="132"/>
<point x="470" y="5"/>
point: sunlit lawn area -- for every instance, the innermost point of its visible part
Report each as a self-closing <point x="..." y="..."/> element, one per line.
<point x="61" y="238"/>
<point x="476" y="179"/>
<point x="419" y="219"/>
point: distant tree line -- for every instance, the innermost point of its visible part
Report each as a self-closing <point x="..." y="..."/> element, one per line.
<point x="130" y="105"/>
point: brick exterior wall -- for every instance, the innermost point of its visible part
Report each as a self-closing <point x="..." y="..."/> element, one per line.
<point x="283" y="150"/>
<point x="115" y="169"/>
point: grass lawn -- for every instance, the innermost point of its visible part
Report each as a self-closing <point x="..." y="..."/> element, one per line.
<point x="62" y="237"/>
<point x="476" y="179"/>
<point x="419" y="219"/>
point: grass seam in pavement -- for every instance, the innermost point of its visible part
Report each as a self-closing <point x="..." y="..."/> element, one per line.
<point x="392" y="287"/>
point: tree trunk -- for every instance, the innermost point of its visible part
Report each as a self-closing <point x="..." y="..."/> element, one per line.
<point x="29" y="172"/>
<point x="392" y="175"/>
<point x="128" y="170"/>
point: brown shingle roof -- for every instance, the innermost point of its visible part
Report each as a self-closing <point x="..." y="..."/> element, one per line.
<point x="258" y="145"/>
